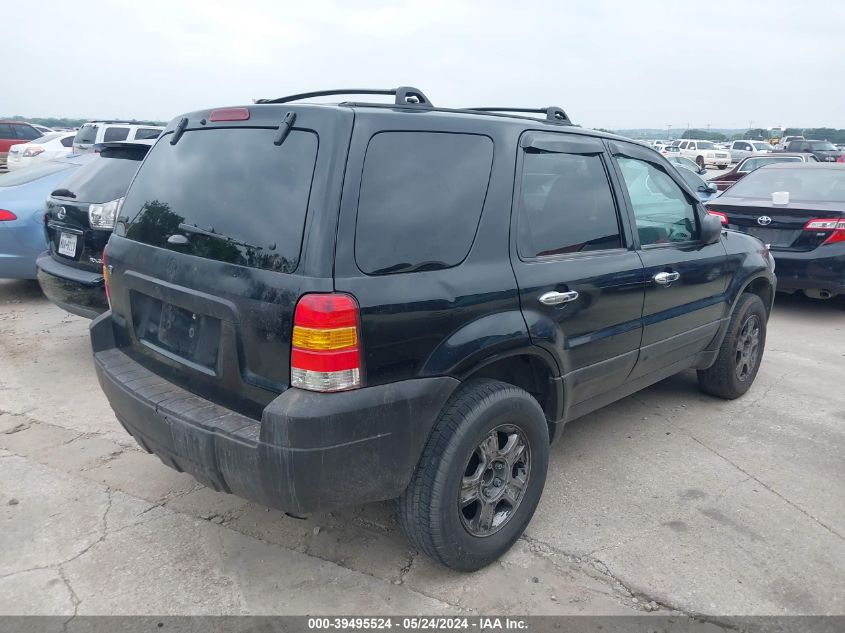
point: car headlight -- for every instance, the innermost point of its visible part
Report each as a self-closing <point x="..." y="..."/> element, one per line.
<point x="102" y="216"/>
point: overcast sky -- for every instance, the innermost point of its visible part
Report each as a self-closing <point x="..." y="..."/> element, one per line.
<point x="614" y="64"/>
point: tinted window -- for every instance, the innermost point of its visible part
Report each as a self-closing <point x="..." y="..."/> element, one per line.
<point x="421" y="199"/>
<point x="566" y="206"/>
<point x="662" y="210"/>
<point x="67" y="142"/>
<point x="146" y="133"/>
<point x="6" y="131"/>
<point x="753" y="163"/>
<point x="115" y="134"/>
<point x="26" y="132"/>
<point x="258" y="197"/>
<point x="86" y="134"/>
<point x="31" y="172"/>
<point x="802" y="183"/>
<point x="106" y="177"/>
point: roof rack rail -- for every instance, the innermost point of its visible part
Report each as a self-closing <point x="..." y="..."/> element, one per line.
<point x="405" y="95"/>
<point x="553" y="113"/>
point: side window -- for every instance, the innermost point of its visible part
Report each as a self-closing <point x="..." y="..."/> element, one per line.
<point x="26" y="132"/>
<point x="566" y="205"/>
<point x="6" y="131"/>
<point x="146" y="133"/>
<point x="421" y="199"/>
<point x="67" y="142"/>
<point x="690" y="145"/>
<point x="662" y="210"/>
<point x="682" y="145"/>
<point x="115" y="134"/>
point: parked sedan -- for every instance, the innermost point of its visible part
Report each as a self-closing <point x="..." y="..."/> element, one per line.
<point x="798" y="209"/>
<point x="747" y="165"/>
<point x="50" y="146"/>
<point x="79" y="220"/>
<point x="13" y="133"/>
<point x="22" y="195"/>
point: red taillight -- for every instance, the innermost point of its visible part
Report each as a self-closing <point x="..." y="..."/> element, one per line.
<point x="229" y="114"/>
<point x="722" y="216"/>
<point x="326" y="343"/>
<point x="106" y="274"/>
<point x="836" y="225"/>
<point x="7" y="216"/>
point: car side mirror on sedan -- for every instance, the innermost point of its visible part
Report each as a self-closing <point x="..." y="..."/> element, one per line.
<point x="712" y="188"/>
<point x="711" y="228"/>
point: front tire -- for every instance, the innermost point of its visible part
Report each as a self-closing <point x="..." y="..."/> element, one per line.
<point x="741" y="352"/>
<point x="480" y="476"/>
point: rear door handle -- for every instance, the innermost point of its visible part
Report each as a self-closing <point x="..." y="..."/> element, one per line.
<point x="556" y="298"/>
<point x="664" y="279"/>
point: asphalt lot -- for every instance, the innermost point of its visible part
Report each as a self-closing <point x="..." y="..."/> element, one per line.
<point x="669" y="500"/>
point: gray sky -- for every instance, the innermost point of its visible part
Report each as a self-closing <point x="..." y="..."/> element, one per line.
<point x="615" y="64"/>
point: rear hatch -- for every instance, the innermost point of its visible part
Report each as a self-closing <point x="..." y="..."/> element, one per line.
<point x="816" y="193"/>
<point x="93" y="190"/>
<point x="220" y="234"/>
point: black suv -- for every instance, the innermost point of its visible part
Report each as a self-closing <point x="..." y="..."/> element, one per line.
<point x="377" y="301"/>
<point x="79" y="219"/>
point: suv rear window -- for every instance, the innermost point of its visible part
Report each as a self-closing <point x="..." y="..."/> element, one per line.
<point x="421" y="199"/>
<point x="257" y="197"/>
<point x="146" y="133"/>
<point x="106" y="177"/>
<point x="86" y="134"/>
<point x="115" y="134"/>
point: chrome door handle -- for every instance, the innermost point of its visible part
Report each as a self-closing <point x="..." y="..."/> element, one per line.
<point x="556" y="298"/>
<point x="664" y="279"/>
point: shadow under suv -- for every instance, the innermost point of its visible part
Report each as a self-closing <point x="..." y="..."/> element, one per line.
<point x="378" y="301"/>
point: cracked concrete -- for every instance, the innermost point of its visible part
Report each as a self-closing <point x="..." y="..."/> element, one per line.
<point x="669" y="501"/>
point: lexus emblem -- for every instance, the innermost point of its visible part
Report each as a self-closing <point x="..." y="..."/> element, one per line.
<point x="764" y="220"/>
<point x="61" y="213"/>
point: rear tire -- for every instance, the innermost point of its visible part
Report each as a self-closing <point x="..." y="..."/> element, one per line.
<point x="741" y="352"/>
<point x="488" y="450"/>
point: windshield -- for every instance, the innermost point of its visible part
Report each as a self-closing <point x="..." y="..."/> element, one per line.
<point x="753" y="163"/>
<point x="803" y="184"/>
<point x="41" y="140"/>
<point x="31" y="172"/>
<point x="822" y="146"/>
<point x="762" y="147"/>
<point x="705" y="145"/>
<point x="257" y="197"/>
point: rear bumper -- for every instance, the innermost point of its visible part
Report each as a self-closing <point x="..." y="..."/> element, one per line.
<point x="78" y="291"/>
<point x="820" y="269"/>
<point x="310" y="452"/>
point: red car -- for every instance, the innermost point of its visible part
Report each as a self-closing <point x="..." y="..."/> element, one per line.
<point x="750" y="163"/>
<point x="13" y="133"/>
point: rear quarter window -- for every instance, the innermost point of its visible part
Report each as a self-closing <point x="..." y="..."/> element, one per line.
<point x="421" y="199"/>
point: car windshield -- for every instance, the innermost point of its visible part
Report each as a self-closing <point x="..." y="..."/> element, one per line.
<point x="803" y="184"/>
<point x="822" y="146"/>
<point x="753" y="163"/>
<point x="705" y="145"/>
<point x="41" y="140"/>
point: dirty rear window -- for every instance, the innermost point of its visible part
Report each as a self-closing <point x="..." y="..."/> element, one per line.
<point x="235" y="183"/>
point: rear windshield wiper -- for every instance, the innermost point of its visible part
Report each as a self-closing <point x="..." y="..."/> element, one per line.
<point x="63" y="193"/>
<point x="193" y="228"/>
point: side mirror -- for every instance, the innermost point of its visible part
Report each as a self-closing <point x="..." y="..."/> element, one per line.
<point x="701" y="170"/>
<point x="711" y="228"/>
<point x="712" y="188"/>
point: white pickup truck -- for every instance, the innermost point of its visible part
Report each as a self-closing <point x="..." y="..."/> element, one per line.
<point x="705" y="153"/>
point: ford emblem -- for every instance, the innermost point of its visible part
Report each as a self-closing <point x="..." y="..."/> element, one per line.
<point x="764" y="220"/>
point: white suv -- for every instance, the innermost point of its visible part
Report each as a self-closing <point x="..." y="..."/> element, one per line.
<point x="95" y="132"/>
<point x="705" y="153"/>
